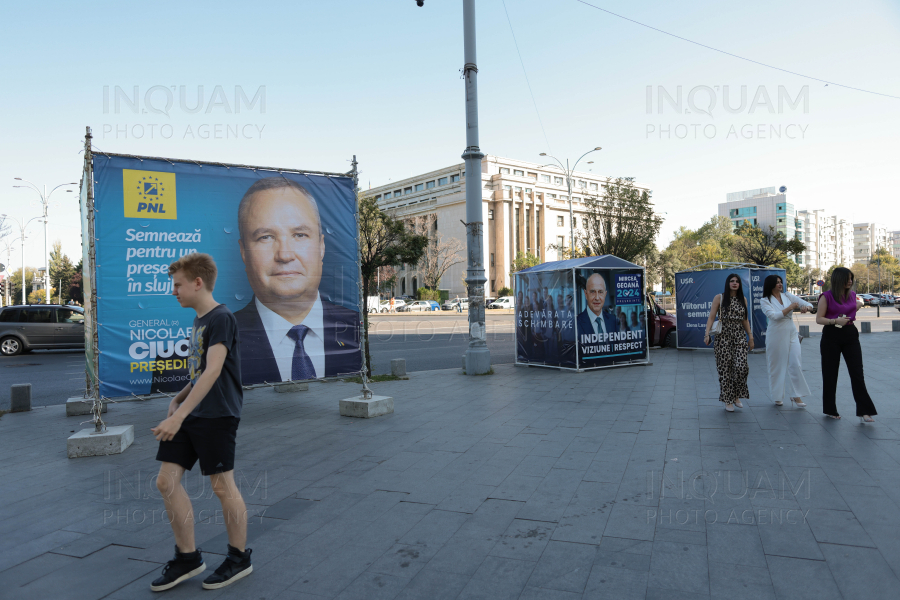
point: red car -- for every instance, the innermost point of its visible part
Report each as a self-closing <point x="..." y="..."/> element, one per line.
<point x="661" y="325"/>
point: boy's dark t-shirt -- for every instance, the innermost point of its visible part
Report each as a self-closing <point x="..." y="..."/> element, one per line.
<point x="226" y="397"/>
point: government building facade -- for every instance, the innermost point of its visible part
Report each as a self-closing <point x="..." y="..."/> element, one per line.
<point x="525" y="208"/>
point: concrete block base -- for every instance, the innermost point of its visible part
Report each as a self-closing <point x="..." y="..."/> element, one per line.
<point x="478" y="361"/>
<point x="20" y="397"/>
<point x="78" y="406"/>
<point x="366" y="409"/>
<point x="865" y="327"/>
<point x="291" y="386"/>
<point x="112" y="441"/>
<point x="398" y="367"/>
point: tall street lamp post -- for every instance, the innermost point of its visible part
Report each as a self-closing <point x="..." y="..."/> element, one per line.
<point x="8" y="248"/>
<point x="45" y="203"/>
<point x="22" y="227"/>
<point x="478" y="356"/>
<point x="568" y="173"/>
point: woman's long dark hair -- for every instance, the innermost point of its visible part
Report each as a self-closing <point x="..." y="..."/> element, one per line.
<point x="839" y="278"/>
<point x="726" y="295"/>
<point x="769" y="285"/>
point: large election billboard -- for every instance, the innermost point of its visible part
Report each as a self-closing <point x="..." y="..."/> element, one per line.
<point x="694" y="293"/>
<point x="581" y="314"/>
<point x="285" y="243"/>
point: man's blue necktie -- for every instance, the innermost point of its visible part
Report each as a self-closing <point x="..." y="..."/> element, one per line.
<point x="301" y="365"/>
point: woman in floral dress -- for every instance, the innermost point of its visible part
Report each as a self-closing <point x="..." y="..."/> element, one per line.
<point x="733" y="343"/>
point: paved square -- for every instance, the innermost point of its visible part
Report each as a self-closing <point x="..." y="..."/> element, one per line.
<point x="530" y="483"/>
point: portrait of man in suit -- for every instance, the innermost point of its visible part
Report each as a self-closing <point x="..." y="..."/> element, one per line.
<point x="593" y="319"/>
<point x="288" y="331"/>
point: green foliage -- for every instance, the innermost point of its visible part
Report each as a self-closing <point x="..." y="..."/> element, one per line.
<point x="383" y="242"/>
<point x="523" y="260"/>
<point x="766" y="247"/>
<point x="621" y="222"/>
<point x="795" y="278"/>
<point x="504" y="291"/>
<point x="423" y="293"/>
<point x="712" y="241"/>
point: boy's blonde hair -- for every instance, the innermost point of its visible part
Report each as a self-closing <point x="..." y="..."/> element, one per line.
<point x="197" y="264"/>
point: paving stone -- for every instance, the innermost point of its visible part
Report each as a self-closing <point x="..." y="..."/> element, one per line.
<point x="498" y="578"/>
<point x="524" y="540"/>
<point x="861" y="572"/>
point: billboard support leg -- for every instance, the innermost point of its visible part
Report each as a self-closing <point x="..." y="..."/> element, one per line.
<point x="363" y="316"/>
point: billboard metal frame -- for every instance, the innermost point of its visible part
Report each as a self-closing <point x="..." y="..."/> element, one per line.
<point x="89" y="274"/>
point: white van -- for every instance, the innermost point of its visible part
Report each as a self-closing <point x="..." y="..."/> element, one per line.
<point x="503" y="302"/>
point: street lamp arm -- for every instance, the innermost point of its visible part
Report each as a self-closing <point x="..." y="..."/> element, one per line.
<point x="582" y="156"/>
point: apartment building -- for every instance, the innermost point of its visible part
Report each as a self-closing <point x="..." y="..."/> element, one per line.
<point x="525" y="208"/>
<point x="867" y="238"/>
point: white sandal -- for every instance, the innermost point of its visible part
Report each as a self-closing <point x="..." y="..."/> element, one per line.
<point x="798" y="403"/>
<point x="779" y="403"/>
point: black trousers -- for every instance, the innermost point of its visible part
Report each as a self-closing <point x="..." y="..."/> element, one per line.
<point x="837" y="341"/>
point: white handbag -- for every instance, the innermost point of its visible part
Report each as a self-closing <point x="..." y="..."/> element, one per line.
<point x="716" y="328"/>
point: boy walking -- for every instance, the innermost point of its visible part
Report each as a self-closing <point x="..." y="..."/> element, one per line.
<point x="202" y="424"/>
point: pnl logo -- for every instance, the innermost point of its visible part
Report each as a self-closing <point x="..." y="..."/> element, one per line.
<point x="149" y="194"/>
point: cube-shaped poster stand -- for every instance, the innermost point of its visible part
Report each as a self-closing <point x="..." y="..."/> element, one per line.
<point x="366" y="408"/>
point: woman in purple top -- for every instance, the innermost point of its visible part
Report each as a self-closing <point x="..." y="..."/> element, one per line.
<point x="837" y="311"/>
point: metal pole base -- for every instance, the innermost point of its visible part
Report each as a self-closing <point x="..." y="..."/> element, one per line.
<point x="478" y="361"/>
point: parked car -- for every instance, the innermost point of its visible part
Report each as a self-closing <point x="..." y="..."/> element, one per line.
<point x="418" y="306"/>
<point x="386" y="305"/>
<point x="40" y="326"/>
<point x="661" y="326"/>
<point x="504" y="302"/>
<point x="867" y="299"/>
<point x="812" y="299"/>
<point x="452" y="304"/>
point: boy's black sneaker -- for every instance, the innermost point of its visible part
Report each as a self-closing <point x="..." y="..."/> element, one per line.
<point x="235" y="566"/>
<point x="183" y="566"/>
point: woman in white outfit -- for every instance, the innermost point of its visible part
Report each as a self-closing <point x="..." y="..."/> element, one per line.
<point x="782" y="342"/>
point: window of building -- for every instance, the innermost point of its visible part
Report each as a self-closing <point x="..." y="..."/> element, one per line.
<point x="454" y="178"/>
<point x="545" y="178"/>
<point x="560" y="244"/>
<point x="507" y="191"/>
<point x="528" y="191"/>
<point x="552" y="196"/>
<point x="398" y="193"/>
<point x="491" y="214"/>
<point x="420" y="187"/>
<point x="504" y="170"/>
<point x="593" y="186"/>
<point x="492" y="259"/>
<point x="429" y="185"/>
<point x="582" y="184"/>
<point x="558" y="180"/>
<point x="576" y="199"/>
<point x="378" y="197"/>
<point x="516" y="231"/>
<point x="518" y="190"/>
<point x="407" y="190"/>
<point x="575" y="222"/>
<point x="442" y="181"/>
<point x="560" y="221"/>
<point x="532" y="175"/>
<point x="518" y="172"/>
<point x="528" y="230"/>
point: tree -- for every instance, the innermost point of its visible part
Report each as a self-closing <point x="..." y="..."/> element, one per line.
<point x="76" y="287"/>
<point x="809" y="277"/>
<point x="765" y="247"/>
<point x="712" y="241"/>
<point x="383" y="241"/>
<point x="441" y="252"/>
<point x="15" y="283"/>
<point x="61" y="271"/>
<point x="523" y="260"/>
<point x="794" y="275"/>
<point x="621" y="222"/>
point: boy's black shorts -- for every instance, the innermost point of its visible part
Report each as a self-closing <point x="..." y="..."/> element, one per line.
<point x="210" y="440"/>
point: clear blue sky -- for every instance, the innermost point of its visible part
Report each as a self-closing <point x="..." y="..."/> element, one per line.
<point x="380" y="79"/>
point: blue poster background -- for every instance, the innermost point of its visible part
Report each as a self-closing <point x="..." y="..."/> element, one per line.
<point x="760" y="322"/>
<point x="137" y="307"/>
<point x="694" y="293"/>
<point x="624" y="314"/>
